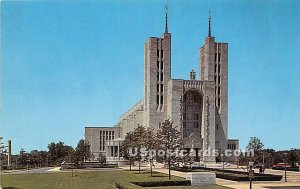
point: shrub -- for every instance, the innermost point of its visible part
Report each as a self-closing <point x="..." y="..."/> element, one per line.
<point x="235" y="175"/>
<point x="288" y="168"/>
<point x="163" y="183"/>
<point x="119" y="185"/>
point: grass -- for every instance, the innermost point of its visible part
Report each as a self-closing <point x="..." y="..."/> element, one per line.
<point x="86" y="179"/>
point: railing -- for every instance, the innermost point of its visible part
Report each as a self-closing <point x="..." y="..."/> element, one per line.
<point x="188" y="84"/>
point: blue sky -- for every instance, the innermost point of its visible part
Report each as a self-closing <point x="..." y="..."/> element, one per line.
<point x="70" y="64"/>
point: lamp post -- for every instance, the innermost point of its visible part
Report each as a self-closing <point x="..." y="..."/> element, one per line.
<point x="285" y="179"/>
<point x="151" y="162"/>
<point x="222" y="156"/>
<point x="251" y="173"/>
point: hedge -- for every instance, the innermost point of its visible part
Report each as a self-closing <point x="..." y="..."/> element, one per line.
<point x="163" y="183"/>
<point x="288" y="168"/>
<point x="257" y="177"/>
<point x="234" y="175"/>
<point x="119" y="185"/>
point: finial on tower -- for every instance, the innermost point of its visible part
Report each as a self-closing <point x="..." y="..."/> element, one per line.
<point x="209" y="27"/>
<point x="192" y="75"/>
<point x="166" y="12"/>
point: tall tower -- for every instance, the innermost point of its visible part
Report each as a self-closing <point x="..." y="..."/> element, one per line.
<point x="9" y="153"/>
<point x="157" y="73"/>
<point x="213" y="65"/>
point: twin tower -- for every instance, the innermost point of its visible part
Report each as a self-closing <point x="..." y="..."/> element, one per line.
<point x="198" y="106"/>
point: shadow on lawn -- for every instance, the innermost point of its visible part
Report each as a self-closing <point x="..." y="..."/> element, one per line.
<point x="10" y="188"/>
<point x="160" y="176"/>
<point x="155" y="174"/>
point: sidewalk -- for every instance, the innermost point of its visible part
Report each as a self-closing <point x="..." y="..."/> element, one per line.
<point x="55" y="169"/>
<point x="233" y="184"/>
<point x="13" y="171"/>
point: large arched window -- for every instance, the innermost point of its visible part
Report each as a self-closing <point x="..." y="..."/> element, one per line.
<point x="192" y="113"/>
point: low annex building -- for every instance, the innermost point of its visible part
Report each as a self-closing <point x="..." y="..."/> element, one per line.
<point x="198" y="106"/>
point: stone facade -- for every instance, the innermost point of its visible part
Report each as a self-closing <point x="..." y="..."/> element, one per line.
<point x="199" y="179"/>
<point x="98" y="137"/>
<point x="199" y="108"/>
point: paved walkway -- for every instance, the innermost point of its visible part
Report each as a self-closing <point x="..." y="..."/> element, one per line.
<point x="24" y="171"/>
<point x="293" y="178"/>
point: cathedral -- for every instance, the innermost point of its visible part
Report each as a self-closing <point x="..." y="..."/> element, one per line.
<point x="198" y="106"/>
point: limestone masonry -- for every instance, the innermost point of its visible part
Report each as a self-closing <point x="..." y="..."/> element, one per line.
<point x="198" y="106"/>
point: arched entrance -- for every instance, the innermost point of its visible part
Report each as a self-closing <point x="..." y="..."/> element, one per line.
<point x="192" y="119"/>
<point x="192" y="113"/>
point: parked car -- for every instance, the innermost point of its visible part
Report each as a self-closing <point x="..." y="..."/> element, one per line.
<point x="196" y="165"/>
<point x="281" y="165"/>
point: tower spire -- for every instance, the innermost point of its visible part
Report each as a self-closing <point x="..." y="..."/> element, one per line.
<point x="209" y="27"/>
<point x="166" y="12"/>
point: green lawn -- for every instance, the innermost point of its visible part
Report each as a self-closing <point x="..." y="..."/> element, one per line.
<point x="85" y="179"/>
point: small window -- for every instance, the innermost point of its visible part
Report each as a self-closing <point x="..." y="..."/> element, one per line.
<point x="196" y="125"/>
<point x="157" y="76"/>
<point x="217" y="126"/>
<point x="196" y="116"/>
<point x="219" y="68"/>
<point x="157" y="87"/>
<point x="161" y="53"/>
<point x="161" y="76"/>
<point x="157" y="99"/>
<point x="161" y="65"/>
<point x="157" y="64"/>
<point x="219" y="57"/>
<point x="161" y="99"/>
<point x="157" y="53"/>
<point x="219" y="79"/>
<point x="161" y="88"/>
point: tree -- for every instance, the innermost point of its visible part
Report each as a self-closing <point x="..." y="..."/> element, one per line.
<point x="268" y="155"/>
<point x="57" y="152"/>
<point x="126" y="145"/>
<point x="139" y="142"/>
<point x="293" y="157"/>
<point x="101" y="158"/>
<point x="170" y="141"/>
<point x="257" y="146"/>
<point x="71" y="157"/>
<point x="136" y="142"/>
<point x="150" y="144"/>
<point x="22" y="158"/>
<point x="83" y="151"/>
<point x="3" y="157"/>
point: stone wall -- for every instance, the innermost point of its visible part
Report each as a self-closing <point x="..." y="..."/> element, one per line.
<point x="133" y="117"/>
